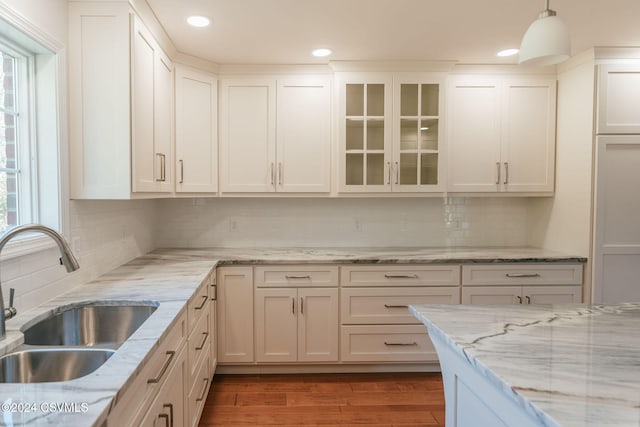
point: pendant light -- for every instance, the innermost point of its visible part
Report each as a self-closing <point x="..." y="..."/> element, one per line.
<point x="546" y="42"/>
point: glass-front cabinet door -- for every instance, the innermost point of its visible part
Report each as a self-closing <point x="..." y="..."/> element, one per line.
<point x="389" y="128"/>
<point x="417" y="143"/>
<point x="365" y="133"/>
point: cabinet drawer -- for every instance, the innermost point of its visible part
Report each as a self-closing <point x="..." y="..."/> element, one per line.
<point x="389" y="305"/>
<point x="298" y="276"/>
<point x="198" y="344"/>
<point x="198" y="393"/>
<point x="137" y="398"/>
<point x="522" y="274"/>
<point x="409" y="275"/>
<point x="198" y="304"/>
<point x="386" y="343"/>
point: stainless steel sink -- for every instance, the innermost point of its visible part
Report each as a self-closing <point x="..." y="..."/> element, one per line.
<point x="89" y="325"/>
<point x="48" y="365"/>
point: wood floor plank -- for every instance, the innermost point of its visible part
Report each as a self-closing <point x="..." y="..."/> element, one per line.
<point x="336" y="400"/>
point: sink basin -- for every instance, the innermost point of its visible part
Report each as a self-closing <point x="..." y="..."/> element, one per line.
<point x="89" y="325"/>
<point x="48" y="365"/>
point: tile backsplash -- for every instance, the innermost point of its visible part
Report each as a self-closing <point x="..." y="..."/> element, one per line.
<point x="431" y="222"/>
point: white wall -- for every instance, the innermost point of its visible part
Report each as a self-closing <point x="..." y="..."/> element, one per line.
<point x="563" y="223"/>
<point x="49" y="16"/>
<point x="432" y="222"/>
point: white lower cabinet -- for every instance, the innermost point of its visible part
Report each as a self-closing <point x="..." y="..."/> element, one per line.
<point x="168" y="408"/>
<point x="522" y="284"/>
<point x="376" y="323"/>
<point x="235" y="314"/>
<point x="297" y="323"/>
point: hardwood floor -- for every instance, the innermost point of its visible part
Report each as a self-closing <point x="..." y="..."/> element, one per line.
<point x="376" y="400"/>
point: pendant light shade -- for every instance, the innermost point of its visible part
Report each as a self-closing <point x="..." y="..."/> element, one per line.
<point x="546" y="42"/>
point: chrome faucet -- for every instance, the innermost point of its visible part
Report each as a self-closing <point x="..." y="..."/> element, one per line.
<point x="66" y="258"/>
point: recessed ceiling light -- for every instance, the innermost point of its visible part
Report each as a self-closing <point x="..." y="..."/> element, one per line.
<point x="508" y="52"/>
<point x="198" y="21"/>
<point x="322" y="52"/>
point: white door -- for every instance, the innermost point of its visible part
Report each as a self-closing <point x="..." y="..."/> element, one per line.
<point x="144" y="163"/>
<point x="618" y="99"/>
<point x="617" y="230"/>
<point x="235" y="314"/>
<point x="304" y="136"/>
<point x="276" y="324"/>
<point x="248" y="136"/>
<point x="474" y="135"/>
<point x="491" y="294"/>
<point x="318" y="325"/>
<point x="163" y="122"/>
<point x="552" y="294"/>
<point x="528" y="136"/>
<point x="196" y="132"/>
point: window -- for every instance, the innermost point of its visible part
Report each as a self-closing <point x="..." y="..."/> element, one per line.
<point x="15" y="142"/>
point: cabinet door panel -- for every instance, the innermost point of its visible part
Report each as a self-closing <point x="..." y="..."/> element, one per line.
<point x="318" y="325"/>
<point x="163" y="121"/>
<point x="491" y="294"/>
<point x="196" y="132"/>
<point x="474" y="136"/>
<point x="303" y="136"/>
<point x="235" y="314"/>
<point x="247" y="136"/>
<point x="276" y="325"/>
<point x="528" y="136"/>
<point x="144" y="162"/>
<point x="618" y="99"/>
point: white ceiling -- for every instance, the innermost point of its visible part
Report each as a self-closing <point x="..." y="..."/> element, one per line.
<point x="467" y="31"/>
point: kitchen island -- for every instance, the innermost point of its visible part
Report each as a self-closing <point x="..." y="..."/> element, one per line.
<point x="553" y="365"/>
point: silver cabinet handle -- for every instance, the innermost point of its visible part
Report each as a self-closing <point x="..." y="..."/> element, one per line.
<point x="397" y="173"/>
<point x="400" y="343"/>
<point x="181" y="171"/>
<point x="165" y="417"/>
<point x="201" y="306"/>
<point x="163" y="169"/>
<point x="204" y="390"/>
<point x="395" y="306"/>
<point x="506" y="172"/>
<point x="204" y="340"/>
<point x="167" y="362"/>
<point x="522" y="275"/>
<point x="214" y="290"/>
<point x="519" y="299"/>
<point x="401" y="276"/>
<point x="280" y="174"/>
<point x="498" y="168"/>
<point x="288" y="276"/>
<point x="170" y="406"/>
<point x="272" y="173"/>
<point x="301" y="305"/>
<point x="293" y="305"/>
<point x="388" y="173"/>
<point x="528" y="298"/>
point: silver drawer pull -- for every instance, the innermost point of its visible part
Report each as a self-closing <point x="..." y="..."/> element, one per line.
<point x="204" y="390"/>
<point x="204" y="301"/>
<point x="167" y="362"/>
<point x="400" y="343"/>
<point x="204" y="340"/>
<point x="396" y="306"/>
<point x="170" y="406"/>
<point x="401" y="276"/>
<point x="522" y="275"/>
<point x="297" y="277"/>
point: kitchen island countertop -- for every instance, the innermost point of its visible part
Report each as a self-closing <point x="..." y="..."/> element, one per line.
<point x="565" y="365"/>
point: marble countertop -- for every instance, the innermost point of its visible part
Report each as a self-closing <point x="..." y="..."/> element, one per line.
<point x="567" y="365"/>
<point x="170" y="277"/>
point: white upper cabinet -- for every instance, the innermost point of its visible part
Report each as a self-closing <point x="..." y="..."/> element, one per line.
<point x="196" y="132"/>
<point x="389" y="132"/>
<point x="275" y="135"/>
<point x="121" y="105"/>
<point x="501" y="134"/>
<point x="618" y="99"/>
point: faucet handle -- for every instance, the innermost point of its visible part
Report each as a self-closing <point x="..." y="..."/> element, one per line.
<point x="10" y="311"/>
